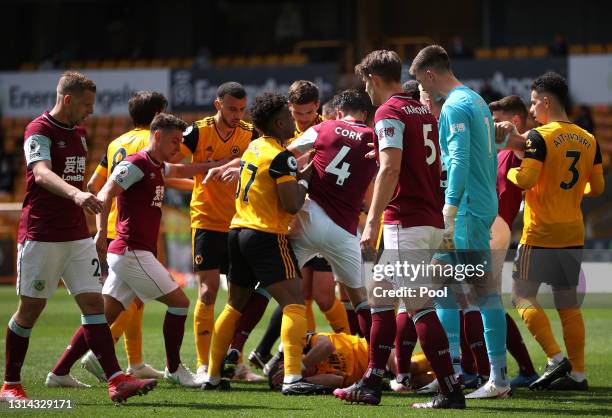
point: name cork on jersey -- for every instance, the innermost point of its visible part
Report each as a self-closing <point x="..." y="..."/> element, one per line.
<point x="46" y="216"/>
<point x="341" y="173"/>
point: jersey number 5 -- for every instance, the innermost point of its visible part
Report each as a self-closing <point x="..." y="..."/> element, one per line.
<point x="575" y="155"/>
<point x="253" y="169"/>
<point x="429" y="144"/>
<point x="341" y="172"/>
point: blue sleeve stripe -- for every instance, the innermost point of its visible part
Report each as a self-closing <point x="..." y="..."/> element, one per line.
<point x="93" y="319"/>
<point x="18" y="329"/>
<point x="178" y="311"/>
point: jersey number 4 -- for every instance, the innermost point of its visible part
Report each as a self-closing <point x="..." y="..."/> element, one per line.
<point x="253" y="169"/>
<point x="342" y="172"/>
<point x="575" y="156"/>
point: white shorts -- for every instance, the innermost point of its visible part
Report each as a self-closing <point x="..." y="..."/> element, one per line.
<point x="41" y="265"/>
<point x="402" y="267"/>
<point x="313" y="233"/>
<point x="139" y="274"/>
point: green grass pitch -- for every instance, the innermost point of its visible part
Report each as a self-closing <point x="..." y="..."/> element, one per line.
<point x="61" y="317"/>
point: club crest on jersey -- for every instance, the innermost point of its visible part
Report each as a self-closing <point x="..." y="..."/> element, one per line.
<point x="152" y="175"/>
<point x="389" y="131"/>
<point x="61" y="144"/>
<point x="84" y="142"/>
<point x="198" y="259"/>
<point x="235" y="150"/>
<point x="292" y="163"/>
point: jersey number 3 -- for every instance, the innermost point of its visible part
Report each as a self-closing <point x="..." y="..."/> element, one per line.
<point x="575" y="155"/>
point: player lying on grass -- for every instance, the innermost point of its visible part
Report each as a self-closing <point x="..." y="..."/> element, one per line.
<point x="339" y="360"/>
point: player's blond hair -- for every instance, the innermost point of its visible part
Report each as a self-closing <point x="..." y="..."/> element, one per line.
<point x="72" y="82"/>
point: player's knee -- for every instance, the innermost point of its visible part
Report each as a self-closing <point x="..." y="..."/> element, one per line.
<point x="209" y="286"/>
<point x="90" y="303"/>
<point x="325" y="301"/>
<point x="28" y="311"/>
<point x="181" y="301"/>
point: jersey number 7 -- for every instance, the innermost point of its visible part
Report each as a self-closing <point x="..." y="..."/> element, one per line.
<point x="253" y="169"/>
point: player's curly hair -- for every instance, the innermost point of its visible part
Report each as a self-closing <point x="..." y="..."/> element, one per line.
<point x="264" y="109"/>
<point x="554" y="84"/>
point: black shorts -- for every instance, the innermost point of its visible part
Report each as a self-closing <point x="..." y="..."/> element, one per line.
<point x="559" y="267"/>
<point x="209" y="250"/>
<point x="260" y="257"/>
<point x="318" y="263"/>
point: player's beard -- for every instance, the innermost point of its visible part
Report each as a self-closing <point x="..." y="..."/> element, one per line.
<point x="228" y="123"/>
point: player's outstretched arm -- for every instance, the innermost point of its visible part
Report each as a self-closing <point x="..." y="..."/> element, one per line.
<point x="507" y="137"/>
<point x="48" y="180"/>
<point x="226" y="172"/>
<point x="179" y="184"/>
<point x="189" y="170"/>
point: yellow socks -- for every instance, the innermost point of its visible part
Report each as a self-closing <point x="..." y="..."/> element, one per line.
<point x="538" y="324"/>
<point x="118" y="327"/>
<point x="203" y="323"/>
<point x="293" y="337"/>
<point x="133" y="337"/>
<point x="310" y="319"/>
<point x="222" y="336"/>
<point x="337" y="317"/>
<point x="574" y="337"/>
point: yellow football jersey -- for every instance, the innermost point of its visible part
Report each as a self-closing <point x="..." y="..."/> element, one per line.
<point x="264" y="164"/>
<point x="212" y="204"/>
<point x="298" y="132"/>
<point x="567" y="156"/>
<point x="349" y="359"/>
<point x="127" y="144"/>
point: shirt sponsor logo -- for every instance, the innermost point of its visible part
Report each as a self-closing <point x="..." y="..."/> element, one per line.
<point x="159" y="197"/>
<point x="74" y="169"/>
<point x="457" y="127"/>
